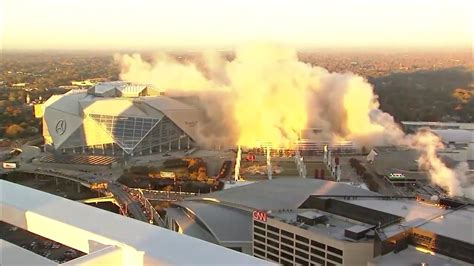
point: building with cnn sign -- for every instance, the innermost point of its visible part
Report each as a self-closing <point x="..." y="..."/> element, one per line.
<point x="293" y="221"/>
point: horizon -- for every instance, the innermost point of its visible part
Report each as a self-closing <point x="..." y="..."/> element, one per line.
<point x="189" y="26"/>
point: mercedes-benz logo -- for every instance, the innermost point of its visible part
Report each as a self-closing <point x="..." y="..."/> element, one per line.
<point x="61" y="127"/>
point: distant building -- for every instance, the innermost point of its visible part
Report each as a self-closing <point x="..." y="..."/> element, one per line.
<point x="18" y="85"/>
<point x="459" y="143"/>
<point x="412" y="126"/>
<point x="82" y="83"/>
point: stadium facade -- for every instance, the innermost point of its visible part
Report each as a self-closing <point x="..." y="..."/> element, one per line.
<point x="118" y="118"/>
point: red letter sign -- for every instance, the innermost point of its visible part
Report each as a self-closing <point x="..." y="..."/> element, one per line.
<point x="259" y="216"/>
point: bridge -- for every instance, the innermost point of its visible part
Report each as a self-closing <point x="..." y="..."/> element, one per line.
<point x="130" y="205"/>
<point x="162" y="195"/>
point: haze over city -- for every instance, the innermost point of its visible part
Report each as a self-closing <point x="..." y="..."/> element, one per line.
<point x="191" y="25"/>
<point x="136" y="132"/>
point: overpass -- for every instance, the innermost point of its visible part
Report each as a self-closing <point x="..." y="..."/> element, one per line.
<point x="162" y="195"/>
<point x="139" y="209"/>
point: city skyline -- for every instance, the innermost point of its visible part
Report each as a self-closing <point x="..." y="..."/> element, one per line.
<point x="149" y="25"/>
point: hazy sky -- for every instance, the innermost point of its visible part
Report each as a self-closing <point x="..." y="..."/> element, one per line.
<point x="140" y="24"/>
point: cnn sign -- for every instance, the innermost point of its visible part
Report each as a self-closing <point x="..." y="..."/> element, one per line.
<point x="259" y="216"/>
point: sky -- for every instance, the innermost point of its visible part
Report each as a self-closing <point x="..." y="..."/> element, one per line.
<point x="180" y="24"/>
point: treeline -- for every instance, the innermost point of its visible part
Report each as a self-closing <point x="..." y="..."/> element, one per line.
<point x="427" y="95"/>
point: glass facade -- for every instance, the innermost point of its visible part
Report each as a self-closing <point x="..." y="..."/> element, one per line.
<point x="126" y="135"/>
<point x="126" y="131"/>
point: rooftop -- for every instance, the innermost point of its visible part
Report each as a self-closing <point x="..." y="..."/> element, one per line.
<point x="282" y="193"/>
<point x="88" y="227"/>
<point x="411" y="256"/>
<point x="333" y="225"/>
<point x="447" y="222"/>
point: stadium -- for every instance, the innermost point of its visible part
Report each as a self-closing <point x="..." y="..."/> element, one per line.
<point x="123" y="119"/>
<point x="117" y="118"/>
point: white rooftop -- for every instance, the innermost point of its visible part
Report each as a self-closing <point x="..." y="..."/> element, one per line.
<point x="79" y="226"/>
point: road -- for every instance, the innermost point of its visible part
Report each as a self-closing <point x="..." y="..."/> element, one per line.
<point x="133" y="207"/>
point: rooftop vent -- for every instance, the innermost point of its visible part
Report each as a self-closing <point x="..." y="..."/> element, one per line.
<point x="311" y="217"/>
<point x="357" y="232"/>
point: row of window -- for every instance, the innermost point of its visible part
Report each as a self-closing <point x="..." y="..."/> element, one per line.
<point x="297" y="237"/>
<point x="287" y="259"/>
<point x="285" y="251"/>
<point x="306" y="250"/>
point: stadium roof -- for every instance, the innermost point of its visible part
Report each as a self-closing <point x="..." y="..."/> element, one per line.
<point x="217" y="219"/>
<point x="283" y="193"/>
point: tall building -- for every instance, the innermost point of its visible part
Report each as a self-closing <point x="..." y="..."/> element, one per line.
<point x="118" y="118"/>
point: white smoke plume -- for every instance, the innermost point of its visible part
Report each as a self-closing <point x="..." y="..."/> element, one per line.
<point x="266" y="95"/>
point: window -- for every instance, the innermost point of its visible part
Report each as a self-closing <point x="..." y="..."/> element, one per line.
<point x="302" y="254"/>
<point x="286" y="263"/>
<point x="335" y="250"/>
<point x="301" y="246"/>
<point x="318" y="260"/>
<point x="259" y="238"/>
<point x="302" y="239"/>
<point x="260" y="231"/>
<point x="273" y="236"/>
<point x="287" y="256"/>
<point x="271" y="257"/>
<point x="317" y="244"/>
<point x="287" y="241"/>
<point x="259" y="224"/>
<point x="288" y="234"/>
<point x="273" y="229"/>
<point x="334" y="258"/>
<point x="272" y="243"/>
<point x="300" y="261"/>
<point x="286" y="248"/>
<point x="256" y="244"/>
<point x="272" y="250"/>
<point x="258" y="252"/>
<point x="318" y="252"/>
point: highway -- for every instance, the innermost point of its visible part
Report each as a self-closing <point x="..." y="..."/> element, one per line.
<point x="162" y="195"/>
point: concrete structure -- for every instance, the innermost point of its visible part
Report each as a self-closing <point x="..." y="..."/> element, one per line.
<point x="118" y="118"/>
<point x="106" y="238"/>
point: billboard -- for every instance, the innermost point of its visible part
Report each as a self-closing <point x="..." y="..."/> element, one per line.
<point x="39" y="110"/>
<point x="164" y="174"/>
<point x="7" y="165"/>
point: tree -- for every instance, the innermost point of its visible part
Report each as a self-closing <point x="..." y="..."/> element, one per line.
<point x="14" y="131"/>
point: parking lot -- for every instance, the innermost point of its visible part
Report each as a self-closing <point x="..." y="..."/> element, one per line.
<point x="38" y="244"/>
